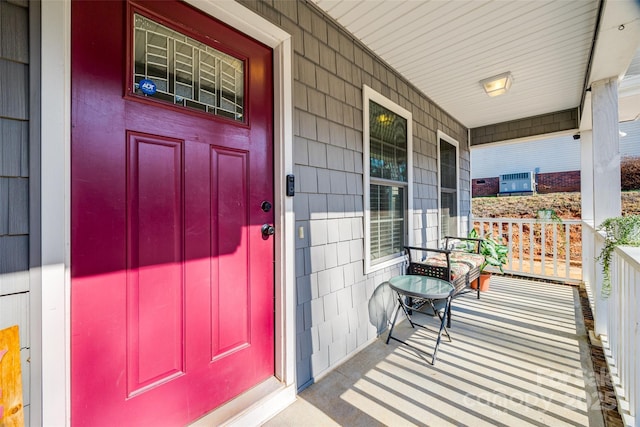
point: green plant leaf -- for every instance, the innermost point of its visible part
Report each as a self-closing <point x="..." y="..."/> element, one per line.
<point x="622" y="230"/>
<point x="493" y="261"/>
<point x="502" y="250"/>
<point x="492" y="252"/>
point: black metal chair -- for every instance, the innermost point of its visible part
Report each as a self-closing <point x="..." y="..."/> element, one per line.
<point x="460" y="267"/>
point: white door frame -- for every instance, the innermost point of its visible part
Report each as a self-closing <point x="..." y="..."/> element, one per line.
<point x="56" y="190"/>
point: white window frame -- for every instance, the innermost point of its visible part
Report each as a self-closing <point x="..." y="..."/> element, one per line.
<point x="368" y="94"/>
<point x="456" y="144"/>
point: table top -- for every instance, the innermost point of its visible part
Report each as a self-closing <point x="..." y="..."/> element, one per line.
<point x="421" y="286"/>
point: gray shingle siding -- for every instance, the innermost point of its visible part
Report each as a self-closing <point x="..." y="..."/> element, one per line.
<point x="14" y="178"/>
<point x="14" y="171"/>
<point x="530" y="126"/>
<point x="330" y="68"/>
<point x="14" y="151"/>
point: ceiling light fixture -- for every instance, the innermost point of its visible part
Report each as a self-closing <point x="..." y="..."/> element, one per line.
<point x="385" y="119"/>
<point x="497" y="85"/>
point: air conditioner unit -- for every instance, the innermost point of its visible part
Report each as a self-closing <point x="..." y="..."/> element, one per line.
<point x="522" y="182"/>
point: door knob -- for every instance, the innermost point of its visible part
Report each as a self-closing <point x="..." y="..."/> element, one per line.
<point x="267" y="230"/>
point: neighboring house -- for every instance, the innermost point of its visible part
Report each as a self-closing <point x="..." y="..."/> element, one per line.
<point x="554" y="161"/>
<point x="200" y="200"/>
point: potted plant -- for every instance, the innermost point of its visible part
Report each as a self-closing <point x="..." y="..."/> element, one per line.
<point x="619" y="231"/>
<point x="495" y="255"/>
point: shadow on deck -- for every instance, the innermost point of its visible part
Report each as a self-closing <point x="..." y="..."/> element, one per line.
<point x="519" y="356"/>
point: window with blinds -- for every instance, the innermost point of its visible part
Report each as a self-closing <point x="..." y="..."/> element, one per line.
<point x="448" y="160"/>
<point x="389" y="156"/>
<point x="387" y="220"/>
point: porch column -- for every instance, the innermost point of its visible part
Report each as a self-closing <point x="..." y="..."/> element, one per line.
<point x="606" y="173"/>
<point x="586" y="201"/>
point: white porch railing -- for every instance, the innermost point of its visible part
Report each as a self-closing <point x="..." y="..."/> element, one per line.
<point x="617" y="322"/>
<point x="566" y="250"/>
<point x="547" y="249"/>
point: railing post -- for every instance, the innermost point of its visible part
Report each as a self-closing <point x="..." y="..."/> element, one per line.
<point x="622" y="341"/>
<point x="601" y="312"/>
<point x="521" y="235"/>
<point x="635" y="347"/>
<point x="588" y="256"/>
<point x="532" y="246"/>
<point x="520" y="247"/>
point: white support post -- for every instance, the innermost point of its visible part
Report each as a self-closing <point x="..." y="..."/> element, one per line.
<point x="606" y="173"/>
<point x="586" y="174"/>
<point x="586" y="197"/>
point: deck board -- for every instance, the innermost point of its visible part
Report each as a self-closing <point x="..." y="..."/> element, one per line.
<point x="519" y="356"/>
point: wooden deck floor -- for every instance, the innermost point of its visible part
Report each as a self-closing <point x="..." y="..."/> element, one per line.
<point x="519" y="356"/>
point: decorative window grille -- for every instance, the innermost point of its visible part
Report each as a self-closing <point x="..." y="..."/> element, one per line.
<point x="187" y="72"/>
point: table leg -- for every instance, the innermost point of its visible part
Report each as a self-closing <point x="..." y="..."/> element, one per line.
<point x="395" y="316"/>
<point x="442" y="322"/>
<point x="441" y="317"/>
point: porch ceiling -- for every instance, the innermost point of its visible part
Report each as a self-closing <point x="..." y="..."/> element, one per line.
<point x="445" y="48"/>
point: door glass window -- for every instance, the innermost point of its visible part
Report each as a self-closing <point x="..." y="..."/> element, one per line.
<point x="172" y="67"/>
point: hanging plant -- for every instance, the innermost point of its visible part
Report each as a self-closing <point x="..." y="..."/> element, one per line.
<point x="619" y="231"/>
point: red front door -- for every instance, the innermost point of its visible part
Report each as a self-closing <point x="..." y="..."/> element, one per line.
<point x="171" y="161"/>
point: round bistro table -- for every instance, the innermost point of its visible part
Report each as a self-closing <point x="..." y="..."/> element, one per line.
<point x="422" y="291"/>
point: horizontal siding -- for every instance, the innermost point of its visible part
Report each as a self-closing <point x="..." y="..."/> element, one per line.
<point x="630" y="144"/>
<point x="13" y="283"/>
<point x="25" y="354"/>
<point x="558" y="154"/>
<point x="14" y="310"/>
<point x="550" y="155"/>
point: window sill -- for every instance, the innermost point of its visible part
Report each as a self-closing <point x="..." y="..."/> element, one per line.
<point x="391" y="262"/>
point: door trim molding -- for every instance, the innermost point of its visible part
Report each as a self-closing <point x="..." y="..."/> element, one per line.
<point x="35" y="217"/>
<point x="56" y="190"/>
<point x="451" y="141"/>
<point x="55" y="202"/>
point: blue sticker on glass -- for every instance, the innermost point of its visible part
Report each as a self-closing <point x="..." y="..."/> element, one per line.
<point x="147" y="87"/>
